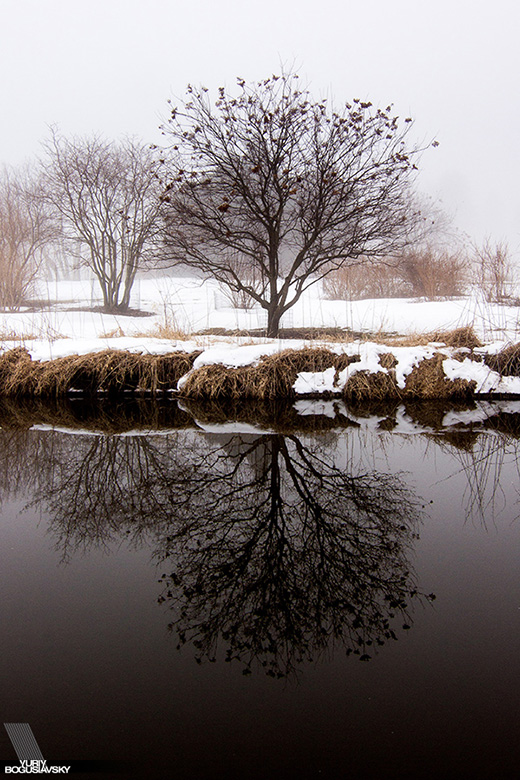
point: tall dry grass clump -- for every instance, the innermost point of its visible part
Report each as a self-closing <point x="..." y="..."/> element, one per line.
<point x="428" y="381"/>
<point x="364" y="386"/>
<point x="273" y="377"/>
<point x="111" y="371"/>
<point x="459" y="337"/>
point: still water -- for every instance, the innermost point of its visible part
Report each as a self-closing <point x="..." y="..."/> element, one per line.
<point x="232" y="599"/>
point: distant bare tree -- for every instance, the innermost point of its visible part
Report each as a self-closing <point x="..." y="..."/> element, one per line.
<point x="106" y="196"/>
<point x="250" y="277"/>
<point x="294" y="187"/>
<point x="26" y="231"/>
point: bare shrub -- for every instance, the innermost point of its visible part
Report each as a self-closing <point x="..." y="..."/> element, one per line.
<point x="358" y="282"/>
<point x="25" y="232"/>
<point x="435" y="273"/>
<point x="423" y="273"/>
<point x="495" y="270"/>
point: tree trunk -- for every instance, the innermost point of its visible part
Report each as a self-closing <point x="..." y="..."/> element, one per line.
<point x="274" y="315"/>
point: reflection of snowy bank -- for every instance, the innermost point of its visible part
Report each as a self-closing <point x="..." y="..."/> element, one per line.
<point x="307" y="416"/>
<point x="403" y="420"/>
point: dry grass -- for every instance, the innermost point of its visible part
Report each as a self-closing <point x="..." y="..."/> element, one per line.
<point x="506" y="362"/>
<point x="161" y="330"/>
<point x="12" y="335"/>
<point x="364" y="386"/>
<point x="111" y="371"/>
<point x="166" y="330"/>
<point x="275" y="375"/>
<point x="114" y="372"/>
<point x="272" y="378"/>
<point x="428" y="381"/>
<point x="460" y="337"/>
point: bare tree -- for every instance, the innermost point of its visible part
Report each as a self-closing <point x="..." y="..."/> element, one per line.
<point x="26" y="231"/>
<point x="296" y="188"/>
<point x="106" y="196"/>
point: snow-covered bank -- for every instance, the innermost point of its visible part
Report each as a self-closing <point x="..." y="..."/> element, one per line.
<point x="263" y="369"/>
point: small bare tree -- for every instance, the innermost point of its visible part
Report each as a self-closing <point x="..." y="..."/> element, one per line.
<point x="106" y="198"/>
<point x="26" y="230"/>
<point x="294" y="187"/>
<point x="495" y="271"/>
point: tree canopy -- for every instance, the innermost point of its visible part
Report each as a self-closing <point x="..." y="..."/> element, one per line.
<point x="268" y="191"/>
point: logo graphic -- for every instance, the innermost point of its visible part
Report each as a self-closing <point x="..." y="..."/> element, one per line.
<point x="28" y="752"/>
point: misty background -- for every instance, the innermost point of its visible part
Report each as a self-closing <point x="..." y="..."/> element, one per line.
<point x="109" y="66"/>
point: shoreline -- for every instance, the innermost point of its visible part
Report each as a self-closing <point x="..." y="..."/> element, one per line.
<point x="458" y="367"/>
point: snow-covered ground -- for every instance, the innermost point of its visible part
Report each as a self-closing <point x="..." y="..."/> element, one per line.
<point x="191" y="305"/>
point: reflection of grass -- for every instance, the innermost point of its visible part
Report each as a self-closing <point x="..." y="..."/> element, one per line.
<point x="93" y="415"/>
<point x="114" y="415"/>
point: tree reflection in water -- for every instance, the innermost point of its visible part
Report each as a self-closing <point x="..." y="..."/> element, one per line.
<point x="282" y="554"/>
<point x="272" y="551"/>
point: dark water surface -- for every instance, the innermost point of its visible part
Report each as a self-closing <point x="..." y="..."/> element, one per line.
<point x="237" y="603"/>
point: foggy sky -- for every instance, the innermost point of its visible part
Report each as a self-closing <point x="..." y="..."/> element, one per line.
<point x="110" y="65"/>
